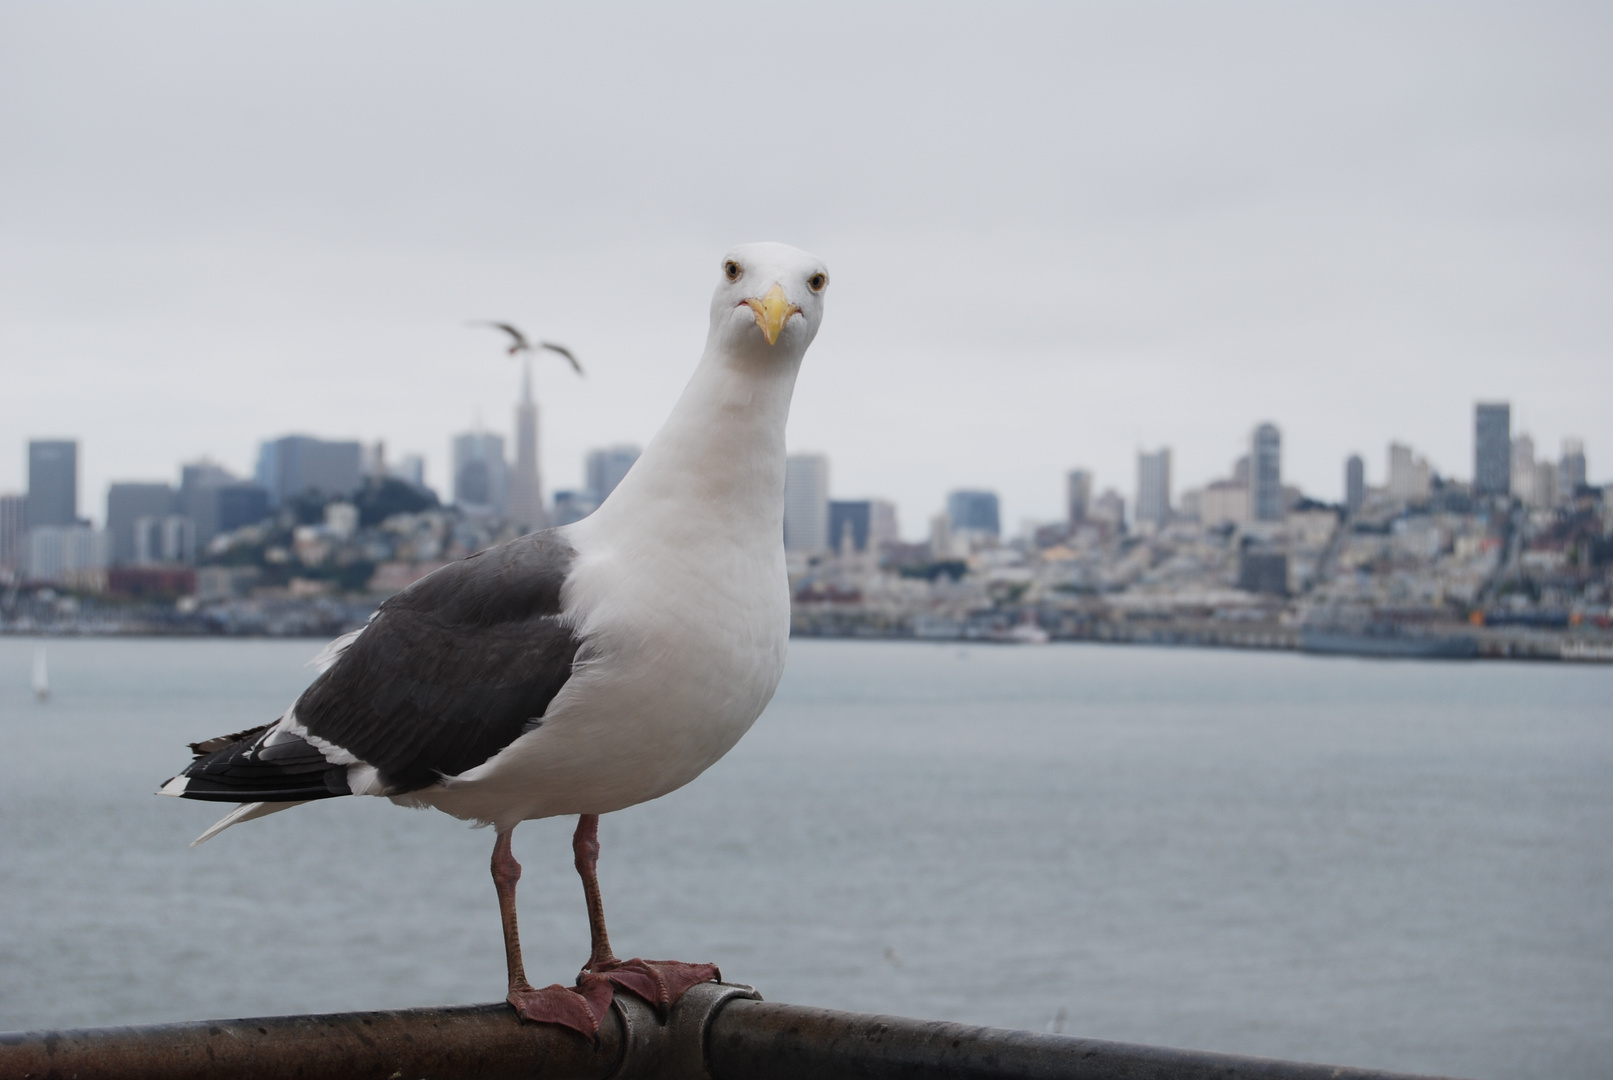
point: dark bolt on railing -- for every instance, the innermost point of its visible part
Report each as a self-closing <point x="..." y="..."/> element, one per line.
<point x="718" y="1031"/>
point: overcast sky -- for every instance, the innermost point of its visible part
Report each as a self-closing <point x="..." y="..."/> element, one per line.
<point x="1056" y="234"/>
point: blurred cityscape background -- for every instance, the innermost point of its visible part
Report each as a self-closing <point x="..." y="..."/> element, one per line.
<point x="1515" y="559"/>
<point x="1115" y="305"/>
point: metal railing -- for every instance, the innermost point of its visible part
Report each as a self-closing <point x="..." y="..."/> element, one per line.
<point x="716" y="1032"/>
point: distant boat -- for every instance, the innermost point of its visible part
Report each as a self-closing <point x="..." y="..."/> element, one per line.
<point x="1028" y="633"/>
<point x="41" y="676"/>
<point x="1389" y="644"/>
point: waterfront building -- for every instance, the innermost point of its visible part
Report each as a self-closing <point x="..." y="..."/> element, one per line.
<point x="128" y="502"/>
<point x="1077" y="496"/>
<point x="604" y="468"/>
<point x="481" y="474"/>
<point x="806" y="503"/>
<point x="525" y="499"/>
<point x="1154" y="488"/>
<point x="1492" y="448"/>
<point x="72" y="555"/>
<point x="13" y="525"/>
<point x="296" y="465"/>
<point x="52" y="482"/>
<point x="1266" y="474"/>
<point x="1355" y="484"/>
<point x="974" y="513"/>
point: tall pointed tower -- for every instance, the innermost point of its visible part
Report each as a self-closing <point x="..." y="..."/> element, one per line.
<point x="526" y="489"/>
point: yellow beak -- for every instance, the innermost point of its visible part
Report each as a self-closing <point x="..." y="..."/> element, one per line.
<point x="772" y="310"/>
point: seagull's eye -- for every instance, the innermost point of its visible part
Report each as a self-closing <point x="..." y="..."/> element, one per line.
<point x="817" y="281"/>
<point x="731" y="268"/>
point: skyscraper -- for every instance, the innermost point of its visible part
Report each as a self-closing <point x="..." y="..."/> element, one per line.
<point x="1154" y="487"/>
<point x="217" y="502"/>
<point x="295" y="465"/>
<point x="481" y="475"/>
<point x="13" y="524"/>
<point x="1266" y="474"/>
<point x="1410" y="477"/>
<point x="1492" y="449"/>
<point x="849" y="523"/>
<point x="1077" y="496"/>
<point x="882" y="527"/>
<point x="606" y="467"/>
<point x="526" y="486"/>
<point x="868" y="523"/>
<point x="974" y="512"/>
<point x="1521" y="470"/>
<point x="1571" y="469"/>
<point x="1355" y="484"/>
<point x="128" y="502"/>
<point x="52" y="482"/>
<point x="806" y="502"/>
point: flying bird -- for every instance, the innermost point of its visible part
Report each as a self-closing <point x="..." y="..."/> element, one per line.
<point x="577" y="670"/>
<point x="519" y="344"/>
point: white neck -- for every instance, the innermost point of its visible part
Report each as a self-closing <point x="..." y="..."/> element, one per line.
<point x="714" y="473"/>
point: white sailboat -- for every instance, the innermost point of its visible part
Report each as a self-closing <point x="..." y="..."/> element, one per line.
<point x="41" y="676"/>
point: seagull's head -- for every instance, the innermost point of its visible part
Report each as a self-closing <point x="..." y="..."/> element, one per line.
<point x="769" y="300"/>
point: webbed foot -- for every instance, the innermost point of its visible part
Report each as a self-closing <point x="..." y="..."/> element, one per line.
<point x="659" y="982"/>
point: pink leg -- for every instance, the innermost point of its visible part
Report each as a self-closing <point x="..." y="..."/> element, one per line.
<point x="585" y="856"/>
<point x="659" y="982"/>
<point x="578" y="1010"/>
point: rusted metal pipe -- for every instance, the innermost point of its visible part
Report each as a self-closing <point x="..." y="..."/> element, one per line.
<point x="764" y="1040"/>
<point x="485" y="1042"/>
<point x="715" y="1032"/>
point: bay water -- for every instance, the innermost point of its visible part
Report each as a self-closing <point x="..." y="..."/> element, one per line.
<point x="1404" y="865"/>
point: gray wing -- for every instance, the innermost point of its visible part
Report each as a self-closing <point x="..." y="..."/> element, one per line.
<point x="454" y="668"/>
<point x="563" y="351"/>
<point x="520" y="343"/>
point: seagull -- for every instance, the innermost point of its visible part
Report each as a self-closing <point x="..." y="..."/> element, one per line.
<point x="577" y="670"/>
<point x="519" y="344"/>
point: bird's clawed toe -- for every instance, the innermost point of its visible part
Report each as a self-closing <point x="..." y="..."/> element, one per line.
<point x="580" y="1009"/>
<point x="659" y="982"/>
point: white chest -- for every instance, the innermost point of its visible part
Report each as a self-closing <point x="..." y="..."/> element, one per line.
<point x="681" y="656"/>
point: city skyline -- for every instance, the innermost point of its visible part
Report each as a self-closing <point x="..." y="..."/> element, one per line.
<point x="1153" y="496"/>
<point x="1163" y="251"/>
<point x="1184" y="474"/>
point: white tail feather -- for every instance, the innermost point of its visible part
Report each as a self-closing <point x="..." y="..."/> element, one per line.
<point x="244" y="812"/>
